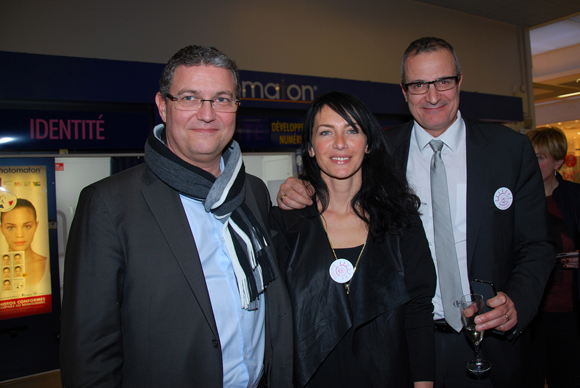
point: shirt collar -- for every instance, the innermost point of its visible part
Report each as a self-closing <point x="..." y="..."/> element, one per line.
<point x="451" y="137"/>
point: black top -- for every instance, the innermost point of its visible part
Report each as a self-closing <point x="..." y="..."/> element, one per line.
<point x="567" y="197"/>
<point x="340" y="368"/>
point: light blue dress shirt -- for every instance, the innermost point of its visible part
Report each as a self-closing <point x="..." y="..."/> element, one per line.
<point x="241" y="332"/>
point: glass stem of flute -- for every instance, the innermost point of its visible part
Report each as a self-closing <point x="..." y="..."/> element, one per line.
<point x="478" y="352"/>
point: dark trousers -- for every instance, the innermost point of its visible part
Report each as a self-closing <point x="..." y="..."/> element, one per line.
<point x="556" y="339"/>
<point x="453" y="352"/>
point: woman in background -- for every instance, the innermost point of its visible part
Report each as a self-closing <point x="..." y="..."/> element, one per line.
<point x="557" y="327"/>
<point x="357" y="263"/>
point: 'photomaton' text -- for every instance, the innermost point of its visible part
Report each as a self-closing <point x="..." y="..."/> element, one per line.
<point x="278" y="91"/>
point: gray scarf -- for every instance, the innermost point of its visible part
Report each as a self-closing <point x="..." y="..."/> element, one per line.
<point x="224" y="198"/>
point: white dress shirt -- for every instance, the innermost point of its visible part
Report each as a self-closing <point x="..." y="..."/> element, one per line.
<point x="241" y="332"/>
<point x="419" y="176"/>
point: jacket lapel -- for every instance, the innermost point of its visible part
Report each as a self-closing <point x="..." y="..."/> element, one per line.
<point x="477" y="181"/>
<point x="378" y="285"/>
<point x="168" y="212"/>
<point x="400" y="142"/>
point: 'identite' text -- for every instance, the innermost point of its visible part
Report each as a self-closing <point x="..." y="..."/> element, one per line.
<point x="58" y="129"/>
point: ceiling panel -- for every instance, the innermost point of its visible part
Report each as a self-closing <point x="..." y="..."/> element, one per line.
<point x="555" y="36"/>
<point x="529" y="13"/>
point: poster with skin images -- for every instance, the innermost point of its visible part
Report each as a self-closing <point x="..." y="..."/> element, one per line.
<point x="24" y="242"/>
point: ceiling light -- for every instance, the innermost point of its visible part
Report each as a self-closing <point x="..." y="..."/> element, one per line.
<point x="5" y="139"/>
<point x="569" y="95"/>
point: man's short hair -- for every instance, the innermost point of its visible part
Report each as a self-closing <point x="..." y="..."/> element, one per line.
<point x="428" y="44"/>
<point x="198" y="56"/>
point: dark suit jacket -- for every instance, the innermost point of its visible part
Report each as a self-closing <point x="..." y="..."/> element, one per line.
<point x="508" y="247"/>
<point x="391" y="296"/>
<point x="136" y="310"/>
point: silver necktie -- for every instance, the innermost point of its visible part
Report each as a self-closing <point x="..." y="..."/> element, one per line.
<point x="447" y="266"/>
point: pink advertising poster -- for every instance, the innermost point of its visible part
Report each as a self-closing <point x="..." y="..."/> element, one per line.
<point x="24" y="243"/>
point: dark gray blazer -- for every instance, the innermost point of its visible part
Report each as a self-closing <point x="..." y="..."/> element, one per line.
<point x="509" y="247"/>
<point x="136" y="310"/>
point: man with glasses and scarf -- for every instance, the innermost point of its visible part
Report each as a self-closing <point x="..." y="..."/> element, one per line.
<point x="170" y="277"/>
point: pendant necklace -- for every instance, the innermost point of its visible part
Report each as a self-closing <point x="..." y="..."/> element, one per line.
<point x="341" y="270"/>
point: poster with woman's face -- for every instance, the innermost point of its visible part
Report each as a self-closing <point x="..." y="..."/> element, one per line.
<point x="24" y="244"/>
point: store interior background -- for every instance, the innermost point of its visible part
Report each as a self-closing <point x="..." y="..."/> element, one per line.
<point x="526" y="48"/>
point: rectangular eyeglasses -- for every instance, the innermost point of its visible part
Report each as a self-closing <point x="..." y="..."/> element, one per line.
<point x="441" y="84"/>
<point x="191" y="102"/>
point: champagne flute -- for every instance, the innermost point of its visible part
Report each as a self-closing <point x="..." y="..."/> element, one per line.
<point x="471" y="306"/>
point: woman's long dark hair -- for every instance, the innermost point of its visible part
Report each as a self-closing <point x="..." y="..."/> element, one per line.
<point x="385" y="198"/>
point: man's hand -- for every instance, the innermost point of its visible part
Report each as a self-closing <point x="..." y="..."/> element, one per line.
<point x="503" y="317"/>
<point x="294" y="194"/>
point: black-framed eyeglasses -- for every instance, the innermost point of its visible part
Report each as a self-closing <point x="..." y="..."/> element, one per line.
<point x="191" y="102"/>
<point x="441" y="84"/>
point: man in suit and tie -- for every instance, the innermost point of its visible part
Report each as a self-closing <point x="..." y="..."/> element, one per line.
<point x="170" y="277"/>
<point x="493" y="225"/>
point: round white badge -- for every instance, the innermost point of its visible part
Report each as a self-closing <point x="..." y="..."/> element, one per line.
<point x="503" y="198"/>
<point x="341" y="271"/>
<point x="7" y="200"/>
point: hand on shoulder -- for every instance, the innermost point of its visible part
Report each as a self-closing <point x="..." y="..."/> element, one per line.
<point x="294" y="194"/>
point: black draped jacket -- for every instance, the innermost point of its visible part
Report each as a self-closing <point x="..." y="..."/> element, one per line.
<point x="391" y="292"/>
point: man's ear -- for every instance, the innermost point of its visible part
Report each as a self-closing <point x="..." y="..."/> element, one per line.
<point x="161" y="106"/>
<point x="404" y="91"/>
<point x="460" y="81"/>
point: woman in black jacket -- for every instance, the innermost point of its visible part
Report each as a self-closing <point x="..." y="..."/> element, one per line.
<point x="357" y="263"/>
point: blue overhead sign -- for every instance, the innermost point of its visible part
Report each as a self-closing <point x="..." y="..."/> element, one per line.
<point x="49" y="77"/>
<point x="52" y="103"/>
<point x="96" y="128"/>
<point x="287" y="91"/>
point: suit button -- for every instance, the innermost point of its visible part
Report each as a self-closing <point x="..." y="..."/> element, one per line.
<point x="214" y="343"/>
